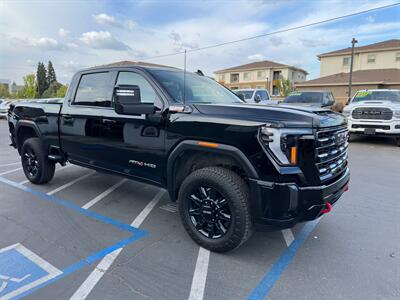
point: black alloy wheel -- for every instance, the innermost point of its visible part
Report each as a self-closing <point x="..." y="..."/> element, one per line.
<point x="30" y="161"/>
<point x="214" y="208"/>
<point x="37" y="167"/>
<point x="209" y="212"/>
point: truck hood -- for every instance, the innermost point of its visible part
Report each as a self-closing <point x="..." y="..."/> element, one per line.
<point x="280" y="115"/>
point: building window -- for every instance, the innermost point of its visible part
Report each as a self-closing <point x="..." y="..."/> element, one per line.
<point x="260" y="75"/>
<point x="276" y="75"/>
<point x="246" y="76"/>
<point x="398" y="56"/>
<point x="235" y="77"/>
<point x="346" y="61"/>
<point x="222" y="77"/>
<point x="371" y="58"/>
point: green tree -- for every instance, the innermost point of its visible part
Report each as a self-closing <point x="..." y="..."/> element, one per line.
<point x="4" y="92"/>
<point x="285" y="87"/>
<point x="62" y="91"/>
<point x="30" y="87"/>
<point x="52" y="90"/>
<point x="51" y="73"/>
<point x="41" y="79"/>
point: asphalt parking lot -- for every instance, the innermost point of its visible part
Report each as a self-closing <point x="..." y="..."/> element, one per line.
<point x="97" y="236"/>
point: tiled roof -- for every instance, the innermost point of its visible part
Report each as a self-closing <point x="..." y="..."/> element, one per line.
<point x="383" y="76"/>
<point x="265" y="64"/>
<point x="377" y="46"/>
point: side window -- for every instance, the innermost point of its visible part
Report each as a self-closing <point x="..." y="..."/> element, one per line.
<point x="263" y="95"/>
<point x="94" y="90"/>
<point x="147" y="93"/>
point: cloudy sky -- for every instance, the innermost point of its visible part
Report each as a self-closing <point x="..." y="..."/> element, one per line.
<point x="77" y="34"/>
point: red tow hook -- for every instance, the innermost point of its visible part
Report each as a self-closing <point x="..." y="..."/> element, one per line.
<point x="346" y="188"/>
<point x="327" y="209"/>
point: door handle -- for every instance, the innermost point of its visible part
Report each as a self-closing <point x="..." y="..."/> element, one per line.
<point x="108" y="121"/>
<point x="67" y="119"/>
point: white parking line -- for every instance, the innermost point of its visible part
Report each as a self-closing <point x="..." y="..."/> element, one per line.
<point x="11" y="164"/>
<point x="200" y="275"/>
<point x="58" y="169"/>
<point x="70" y="183"/>
<point x="10" y="171"/>
<point x="103" y="194"/>
<point x="288" y="236"/>
<point x="87" y="286"/>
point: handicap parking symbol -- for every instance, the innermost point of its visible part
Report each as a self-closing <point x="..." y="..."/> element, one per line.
<point x="21" y="270"/>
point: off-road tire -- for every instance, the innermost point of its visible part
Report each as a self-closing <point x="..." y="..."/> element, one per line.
<point x="45" y="168"/>
<point x="398" y="142"/>
<point x="235" y="190"/>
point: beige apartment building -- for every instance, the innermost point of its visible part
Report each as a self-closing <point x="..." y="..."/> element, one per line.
<point x="382" y="55"/>
<point x="262" y="75"/>
<point x="376" y="66"/>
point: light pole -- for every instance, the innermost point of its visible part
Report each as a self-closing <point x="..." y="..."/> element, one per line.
<point x="353" y="42"/>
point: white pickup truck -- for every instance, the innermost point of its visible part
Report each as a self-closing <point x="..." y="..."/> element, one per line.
<point x="375" y="112"/>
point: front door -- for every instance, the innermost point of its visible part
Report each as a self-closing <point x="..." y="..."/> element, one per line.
<point x="135" y="144"/>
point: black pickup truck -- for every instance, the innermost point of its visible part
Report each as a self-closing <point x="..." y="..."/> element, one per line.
<point x="232" y="167"/>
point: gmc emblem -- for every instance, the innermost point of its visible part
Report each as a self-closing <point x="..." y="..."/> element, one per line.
<point x="340" y="137"/>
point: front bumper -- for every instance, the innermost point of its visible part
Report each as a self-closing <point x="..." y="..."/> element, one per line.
<point x="283" y="205"/>
<point x="382" y="127"/>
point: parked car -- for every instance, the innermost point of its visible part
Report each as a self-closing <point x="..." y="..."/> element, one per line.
<point x="4" y="106"/>
<point x="323" y="99"/>
<point x="231" y="166"/>
<point x="374" y="113"/>
<point x="260" y="96"/>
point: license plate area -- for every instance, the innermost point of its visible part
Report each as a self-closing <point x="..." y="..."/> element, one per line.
<point x="370" y="131"/>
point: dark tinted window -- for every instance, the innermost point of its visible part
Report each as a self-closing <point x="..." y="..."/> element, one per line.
<point x="147" y="93"/>
<point x="198" y="89"/>
<point x="304" y="97"/>
<point x="94" y="90"/>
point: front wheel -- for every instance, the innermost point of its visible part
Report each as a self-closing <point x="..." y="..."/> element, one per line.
<point x="37" y="167"/>
<point x="214" y="208"/>
<point x="398" y="141"/>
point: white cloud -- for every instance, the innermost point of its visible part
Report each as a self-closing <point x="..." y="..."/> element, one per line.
<point x="104" y="19"/>
<point x="102" y="40"/>
<point x="63" y="32"/>
<point x="256" y="57"/>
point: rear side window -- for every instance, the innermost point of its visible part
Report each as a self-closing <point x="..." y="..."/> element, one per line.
<point x="94" y="90"/>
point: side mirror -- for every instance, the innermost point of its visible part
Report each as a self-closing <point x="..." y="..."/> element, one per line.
<point x="128" y="101"/>
<point x="257" y="99"/>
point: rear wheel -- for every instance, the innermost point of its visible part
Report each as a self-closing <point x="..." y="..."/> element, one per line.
<point x="37" y="167"/>
<point x="214" y="208"/>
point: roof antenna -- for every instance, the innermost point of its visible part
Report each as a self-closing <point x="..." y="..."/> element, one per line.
<point x="184" y="80"/>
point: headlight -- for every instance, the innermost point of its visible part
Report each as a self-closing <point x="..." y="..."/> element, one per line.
<point x="397" y="113"/>
<point x="283" y="143"/>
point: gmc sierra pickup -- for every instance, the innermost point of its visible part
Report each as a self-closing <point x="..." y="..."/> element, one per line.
<point x="232" y="167"/>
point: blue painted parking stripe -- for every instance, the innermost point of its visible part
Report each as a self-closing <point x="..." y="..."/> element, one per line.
<point x="72" y="206"/>
<point x="137" y="233"/>
<point x="268" y="281"/>
<point x="83" y="263"/>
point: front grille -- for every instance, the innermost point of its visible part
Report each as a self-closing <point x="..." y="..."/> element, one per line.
<point x="372" y="113"/>
<point x="331" y="152"/>
<point x="384" y="127"/>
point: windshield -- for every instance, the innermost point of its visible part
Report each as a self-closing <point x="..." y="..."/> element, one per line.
<point x="304" y="97"/>
<point x="199" y="89"/>
<point x="393" y="96"/>
<point x="246" y="94"/>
